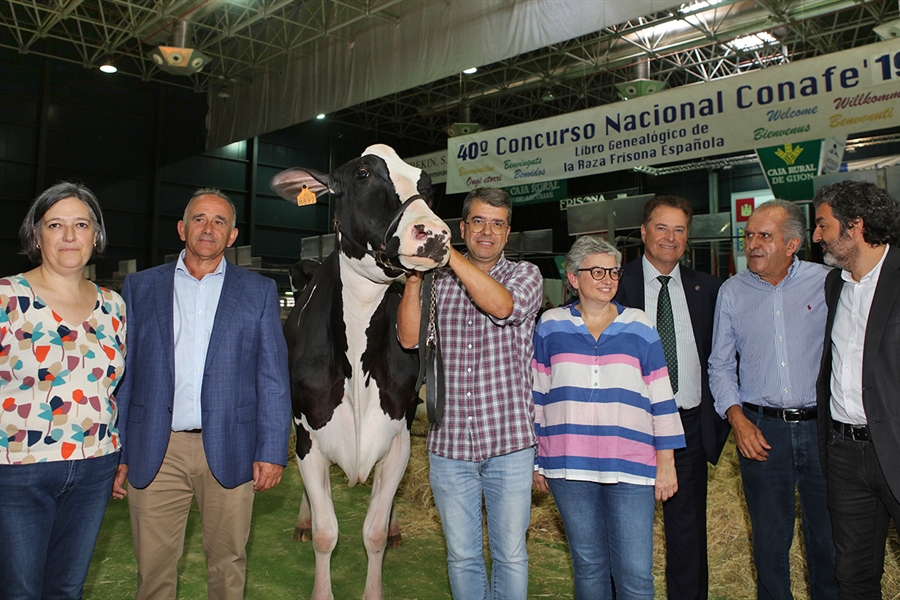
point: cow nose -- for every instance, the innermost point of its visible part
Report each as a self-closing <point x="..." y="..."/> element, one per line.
<point x="420" y="232"/>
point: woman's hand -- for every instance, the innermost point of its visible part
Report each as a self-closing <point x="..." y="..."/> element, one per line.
<point x="540" y="482"/>
<point x="666" y="479"/>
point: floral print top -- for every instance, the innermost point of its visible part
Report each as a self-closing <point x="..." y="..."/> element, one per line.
<point x="57" y="379"/>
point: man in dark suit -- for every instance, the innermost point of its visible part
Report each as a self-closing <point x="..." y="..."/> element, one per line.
<point x="692" y="297"/>
<point x="204" y="407"/>
<point x="859" y="380"/>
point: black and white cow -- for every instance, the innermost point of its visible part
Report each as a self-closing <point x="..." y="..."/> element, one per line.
<point x="353" y="386"/>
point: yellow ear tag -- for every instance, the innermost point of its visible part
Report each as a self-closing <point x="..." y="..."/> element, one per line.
<point x="306" y="197"/>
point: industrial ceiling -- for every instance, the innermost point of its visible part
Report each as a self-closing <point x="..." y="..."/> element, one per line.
<point x="243" y="39"/>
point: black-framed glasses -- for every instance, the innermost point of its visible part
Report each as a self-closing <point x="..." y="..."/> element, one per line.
<point x="599" y="273"/>
<point x="477" y="224"/>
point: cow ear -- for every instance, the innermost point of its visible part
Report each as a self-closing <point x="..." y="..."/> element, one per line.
<point x="293" y="184"/>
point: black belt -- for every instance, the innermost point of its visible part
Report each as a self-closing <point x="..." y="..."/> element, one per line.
<point x="857" y="433"/>
<point x="789" y="415"/>
<point x="198" y="430"/>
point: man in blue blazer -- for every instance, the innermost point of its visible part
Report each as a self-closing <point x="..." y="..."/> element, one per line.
<point x="858" y="226"/>
<point x="664" y="232"/>
<point x="204" y="406"/>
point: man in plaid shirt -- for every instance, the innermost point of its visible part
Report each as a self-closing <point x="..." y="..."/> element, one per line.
<point x="484" y="444"/>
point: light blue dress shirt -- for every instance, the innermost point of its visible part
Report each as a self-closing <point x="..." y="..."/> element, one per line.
<point x="778" y="331"/>
<point x="194" y="312"/>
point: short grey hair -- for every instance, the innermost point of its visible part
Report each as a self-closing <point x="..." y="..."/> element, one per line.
<point x="794" y="226"/>
<point x="587" y="245"/>
<point x="492" y="197"/>
<point x="212" y="192"/>
<point x="29" y="231"/>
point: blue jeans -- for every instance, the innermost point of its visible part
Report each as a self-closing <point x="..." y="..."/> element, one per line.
<point x="50" y="515"/>
<point x="505" y="483"/>
<point x="793" y="463"/>
<point x="609" y="528"/>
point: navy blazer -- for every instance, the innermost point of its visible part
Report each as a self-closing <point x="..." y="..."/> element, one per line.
<point x="881" y="369"/>
<point x="701" y="291"/>
<point x="245" y="400"/>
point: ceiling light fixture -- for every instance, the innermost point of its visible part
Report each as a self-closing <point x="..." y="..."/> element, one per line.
<point x="108" y="67"/>
<point x="179" y="58"/>
<point x="752" y="42"/>
<point x="320" y="116"/>
<point x="698" y="5"/>
<point x="471" y="70"/>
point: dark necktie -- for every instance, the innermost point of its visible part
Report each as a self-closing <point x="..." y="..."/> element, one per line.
<point x="665" y="325"/>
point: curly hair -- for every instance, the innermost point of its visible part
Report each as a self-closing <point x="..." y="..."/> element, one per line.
<point x="851" y="200"/>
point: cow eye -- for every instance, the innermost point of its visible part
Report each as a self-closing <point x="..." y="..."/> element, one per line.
<point x="362" y="173"/>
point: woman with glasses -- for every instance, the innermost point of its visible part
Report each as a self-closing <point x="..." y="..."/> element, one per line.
<point x="607" y="426"/>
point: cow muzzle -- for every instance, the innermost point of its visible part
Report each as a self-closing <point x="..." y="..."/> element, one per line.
<point x="418" y="239"/>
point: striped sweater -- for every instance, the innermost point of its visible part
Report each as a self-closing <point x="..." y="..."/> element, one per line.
<point x="602" y="407"/>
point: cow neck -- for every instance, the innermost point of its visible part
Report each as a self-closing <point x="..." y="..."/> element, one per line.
<point x="361" y="297"/>
<point x="367" y="270"/>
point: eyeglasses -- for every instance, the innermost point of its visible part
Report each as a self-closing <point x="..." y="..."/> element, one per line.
<point x="599" y="273"/>
<point x="477" y="224"/>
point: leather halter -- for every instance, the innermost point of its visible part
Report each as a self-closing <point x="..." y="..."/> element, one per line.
<point x="380" y="254"/>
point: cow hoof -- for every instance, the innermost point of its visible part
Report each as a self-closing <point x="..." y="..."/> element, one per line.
<point x="302" y="535"/>
<point x="395" y="541"/>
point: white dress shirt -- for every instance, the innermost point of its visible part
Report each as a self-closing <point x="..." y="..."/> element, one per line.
<point x="688" y="394"/>
<point x="848" y="337"/>
<point x="194" y="305"/>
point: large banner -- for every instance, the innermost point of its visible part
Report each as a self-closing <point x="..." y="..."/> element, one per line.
<point x="846" y="92"/>
<point x="433" y="163"/>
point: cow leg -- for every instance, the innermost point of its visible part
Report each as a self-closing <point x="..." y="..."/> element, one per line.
<point x="375" y="529"/>
<point x="395" y="540"/>
<point x="303" y="530"/>
<point x="314" y="469"/>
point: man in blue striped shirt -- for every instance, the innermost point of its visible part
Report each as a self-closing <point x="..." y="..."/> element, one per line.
<point x="767" y="343"/>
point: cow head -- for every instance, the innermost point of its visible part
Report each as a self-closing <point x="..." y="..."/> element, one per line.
<point x="382" y="210"/>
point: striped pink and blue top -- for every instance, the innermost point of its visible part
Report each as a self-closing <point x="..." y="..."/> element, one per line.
<point x="602" y="407"/>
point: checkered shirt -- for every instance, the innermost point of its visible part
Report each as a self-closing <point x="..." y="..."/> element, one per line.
<point x="488" y="410"/>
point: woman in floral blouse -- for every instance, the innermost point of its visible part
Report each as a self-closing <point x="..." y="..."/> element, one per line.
<point x="62" y="348"/>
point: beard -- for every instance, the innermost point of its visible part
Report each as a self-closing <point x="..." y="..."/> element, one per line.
<point x="842" y="252"/>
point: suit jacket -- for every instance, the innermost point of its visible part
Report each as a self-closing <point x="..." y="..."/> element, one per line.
<point x="245" y="399"/>
<point x="881" y="369"/>
<point x="701" y="291"/>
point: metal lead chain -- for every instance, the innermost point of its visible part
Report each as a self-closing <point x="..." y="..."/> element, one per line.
<point x="429" y="340"/>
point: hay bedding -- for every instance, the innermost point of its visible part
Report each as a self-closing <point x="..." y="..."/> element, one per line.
<point x="731" y="572"/>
